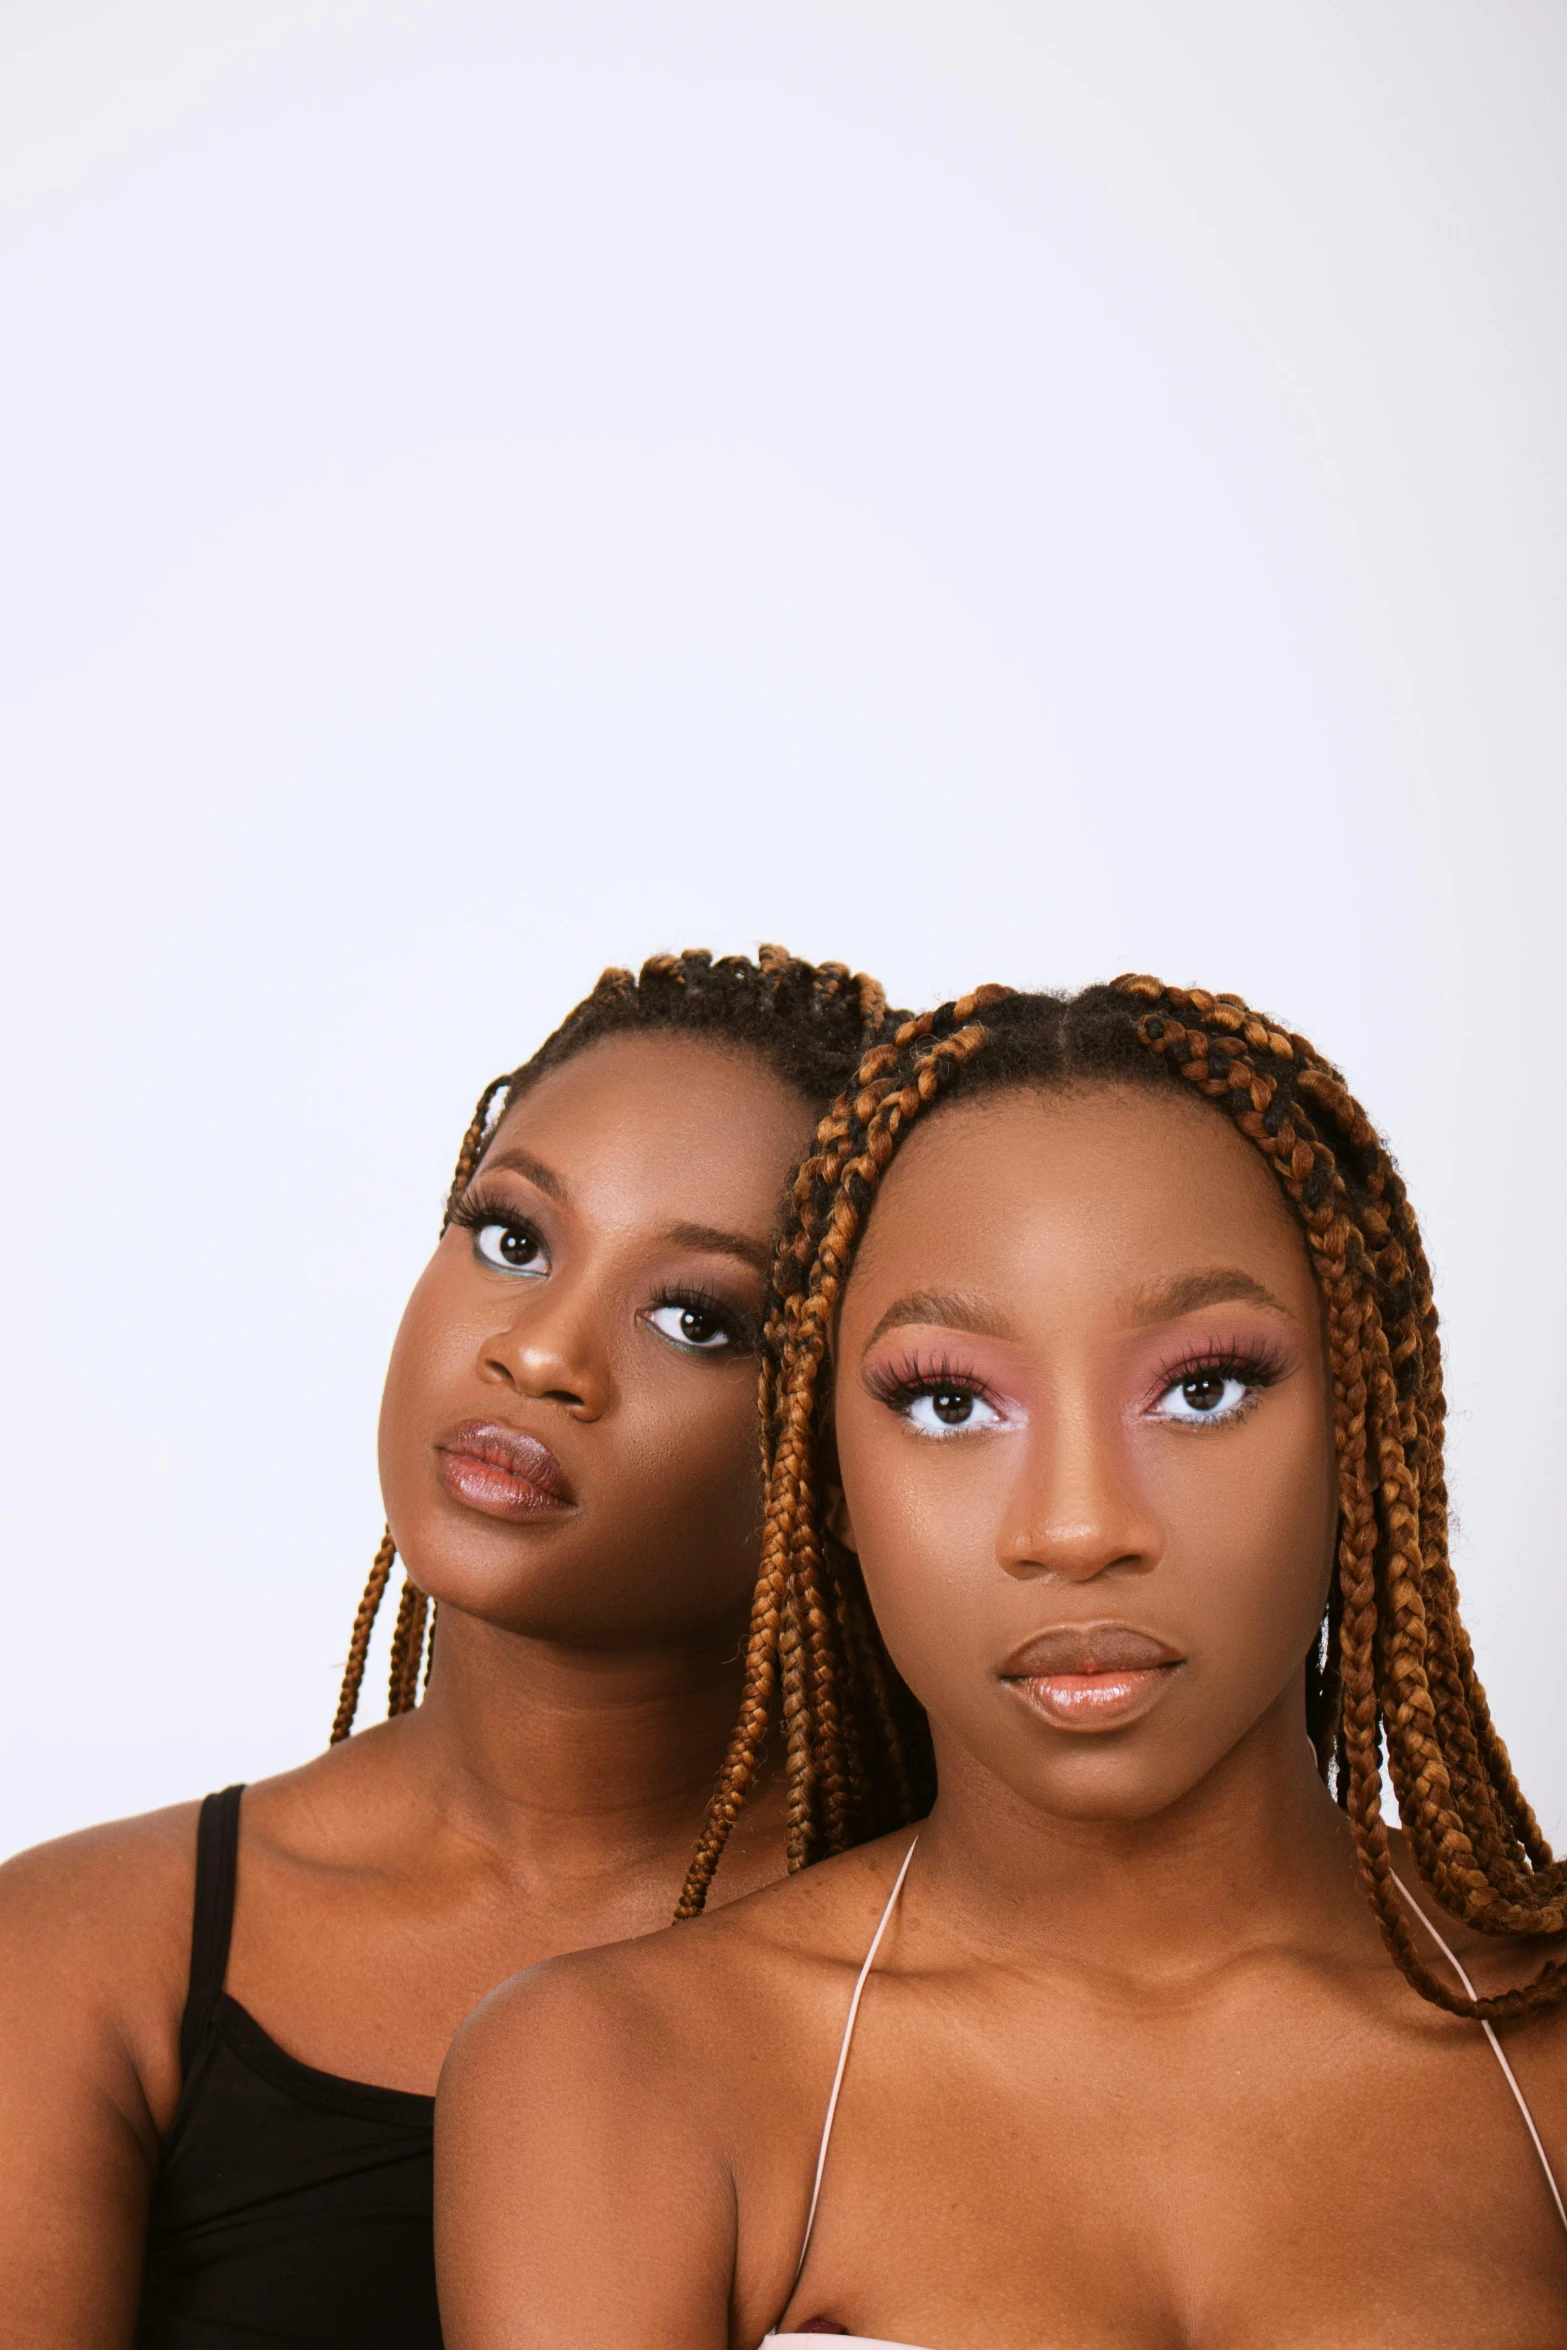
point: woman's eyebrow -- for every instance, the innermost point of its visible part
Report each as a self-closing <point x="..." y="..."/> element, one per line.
<point x="724" y="1244"/>
<point x="520" y="1162"/>
<point x="1184" y="1293"/>
<point x="947" y="1309"/>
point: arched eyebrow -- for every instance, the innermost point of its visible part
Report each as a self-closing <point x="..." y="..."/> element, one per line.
<point x="945" y="1309"/>
<point x="699" y="1236"/>
<point x="723" y="1244"/>
<point x="1187" y="1293"/>
<point x="1161" y="1301"/>
<point x="520" y="1162"/>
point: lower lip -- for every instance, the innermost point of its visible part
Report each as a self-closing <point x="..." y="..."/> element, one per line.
<point x="480" y="1485"/>
<point x="1095" y="1701"/>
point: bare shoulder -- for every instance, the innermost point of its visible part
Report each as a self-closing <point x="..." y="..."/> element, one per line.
<point x="101" y="1920"/>
<point x="1495" y="1963"/>
<point x="109" y="1905"/>
<point x="619" y="2153"/>
<point x="695" y="2002"/>
<point x="95" y="1933"/>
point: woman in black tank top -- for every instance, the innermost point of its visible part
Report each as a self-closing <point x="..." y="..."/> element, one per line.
<point x="295" y="2198"/>
<point x="220" y="2078"/>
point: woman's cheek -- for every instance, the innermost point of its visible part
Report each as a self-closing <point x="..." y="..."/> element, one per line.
<point x="923" y="1516"/>
<point x="688" y="1462"/>
<point x="438" y="1332"/>
<point x="420" y="1334"/>
<point x="1250" y="1552"/>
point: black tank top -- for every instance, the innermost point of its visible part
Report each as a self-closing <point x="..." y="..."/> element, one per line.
<point x="292" y="2209"/>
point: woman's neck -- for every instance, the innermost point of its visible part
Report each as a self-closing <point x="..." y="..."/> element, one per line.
<point x="1256" y="1849"/>
<point x="564" y="1757"/>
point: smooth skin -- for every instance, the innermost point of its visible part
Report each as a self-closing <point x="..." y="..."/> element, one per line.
<point x="546" y="1793"/>
<point x="1134" y="2070"/>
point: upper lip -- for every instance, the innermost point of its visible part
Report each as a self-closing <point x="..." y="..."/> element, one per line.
<point x="522" y="1457"/>
<point x="1087" y="1648"/>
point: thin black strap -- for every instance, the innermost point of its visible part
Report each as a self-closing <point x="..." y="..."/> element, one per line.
<point x="217" y="1850"/>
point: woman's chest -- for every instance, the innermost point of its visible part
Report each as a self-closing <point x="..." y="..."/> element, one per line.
<point x="1270" y="2180"/>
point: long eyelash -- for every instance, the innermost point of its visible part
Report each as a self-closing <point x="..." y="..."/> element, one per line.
<point x="479" y="1207"/>
<point x="1258" y="1366"/>
<point x="691" y="1295"/>
<point x="900" y="1383"/>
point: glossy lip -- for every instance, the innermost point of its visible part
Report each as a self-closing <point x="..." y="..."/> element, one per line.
<point x="502" y="1473"/>
<point x="1092" y="1676"/>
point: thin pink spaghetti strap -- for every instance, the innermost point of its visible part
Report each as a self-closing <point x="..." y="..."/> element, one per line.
<point x="1496" y="2047"/>
<point x="843" y="2058"/>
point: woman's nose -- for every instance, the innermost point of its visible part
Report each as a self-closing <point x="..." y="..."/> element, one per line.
<point x="1077" y="1510"/>
<point x="551" y="1352"/>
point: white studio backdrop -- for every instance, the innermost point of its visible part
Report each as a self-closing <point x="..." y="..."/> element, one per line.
<point x="492" y="490"/>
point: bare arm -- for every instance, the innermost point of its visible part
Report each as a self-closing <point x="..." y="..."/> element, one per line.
<point x="582" y="2196"/>
<point x="94" y="1933"/>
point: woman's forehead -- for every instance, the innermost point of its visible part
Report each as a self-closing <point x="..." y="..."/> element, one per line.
<point x="660" y="1073"/>
<point x="660" y="1113"/>
<point x="1096" y="1183"/>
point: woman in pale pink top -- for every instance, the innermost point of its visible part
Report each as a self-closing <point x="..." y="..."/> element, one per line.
<point x="1104" y="1364"/>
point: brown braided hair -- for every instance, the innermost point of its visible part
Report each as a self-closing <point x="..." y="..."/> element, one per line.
<point x="1392" y="1662"/>
<point x="811" y="1022"/>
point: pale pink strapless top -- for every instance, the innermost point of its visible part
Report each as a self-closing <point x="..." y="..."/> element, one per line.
<point x="874" y="2341"/>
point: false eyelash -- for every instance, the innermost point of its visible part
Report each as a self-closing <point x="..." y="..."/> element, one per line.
<point x="1258" y="1366"/>
<point x="898" y="1384"/>
<point x="696" y="1299"/>
<point x="479" y="1207"/>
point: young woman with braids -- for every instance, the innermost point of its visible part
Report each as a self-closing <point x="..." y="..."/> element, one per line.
<point x="1103" y="1360"/>
<point x="224" y="2137"/>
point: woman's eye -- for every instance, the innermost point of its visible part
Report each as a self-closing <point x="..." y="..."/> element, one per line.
<point x="512" y="1248"/>
<point x="1204" y="1395"/>
<point x="950" y="1411"/>
<point x="695" y="1327"/>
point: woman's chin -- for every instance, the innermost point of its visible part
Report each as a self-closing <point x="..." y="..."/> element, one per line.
<point x="553" y="1607"/>
<point x="1126" y="1779"/>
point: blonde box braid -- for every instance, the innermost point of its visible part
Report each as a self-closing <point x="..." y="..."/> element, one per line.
<point x="1393" y="1662"/>
<point x="810" y="1021"/>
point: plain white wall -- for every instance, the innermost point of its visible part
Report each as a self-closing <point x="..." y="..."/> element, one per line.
<point x="496" y="489"/>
